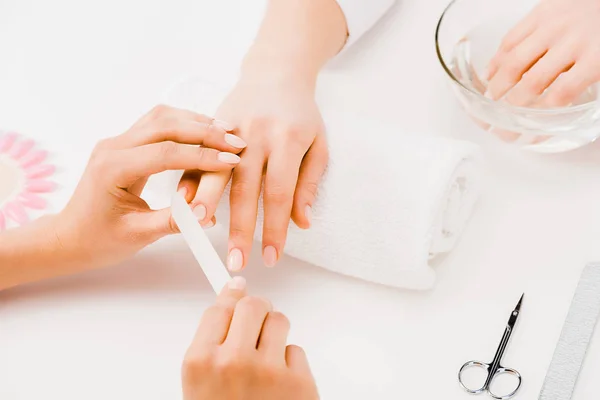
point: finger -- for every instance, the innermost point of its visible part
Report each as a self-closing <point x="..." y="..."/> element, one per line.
<point x="273" y="338"/>
<point x="247" y="323"/>
<point x="524" y="28"/>
<point x="515" y="64"/>
<point x="571" y="84"/>
<point x="153" y="225"/>
<point x="209" y="192"/>
<point x="296" y="359"/>
<point x="311" y="171"/>
<point x="278" y="197"/>
<point x="181" y="129"/>
<point x="132" y="164"/>
<point x="243" y="199"/>
<point x="216" y="320"/>
<point x="541" y="76"/>
<point x="188" y="184"/>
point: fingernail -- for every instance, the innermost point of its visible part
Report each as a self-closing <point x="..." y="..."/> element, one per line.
<point x="224" y="125"/>
<point x="40" y="186"/>
<point x="16" y="212"/>
<point x="235" y="141"/>
<point x="7" y="140"/>
<point x="210" y="224"/>
<point x="200" y="212"/>
<point x="308" y="214"/>
<point x="182" y="191"/>
<point x="488" y="95"/>
<point x="270" y="256"/>
<point x="41" y="171"/>
<point x="21" y="149"/>
<point x="228" y="158"/>
<point x="32" y="201"/>
<point x="33" y="158"/>
<point x="235" y="260"/>
<point x="237" y="283"/>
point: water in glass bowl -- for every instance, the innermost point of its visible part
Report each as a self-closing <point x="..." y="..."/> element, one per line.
<point x="545" y="132"/>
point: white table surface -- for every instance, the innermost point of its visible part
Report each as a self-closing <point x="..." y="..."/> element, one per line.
<point x="73" y="72"/>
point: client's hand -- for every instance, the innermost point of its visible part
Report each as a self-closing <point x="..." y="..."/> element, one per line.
<point x="106" y="221"/>
<point x="240" y="352"/>
<point x="553" y="51"/>
<point x="279" y="119"/>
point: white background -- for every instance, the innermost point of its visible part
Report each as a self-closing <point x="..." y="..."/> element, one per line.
<point x="72" y="72"/>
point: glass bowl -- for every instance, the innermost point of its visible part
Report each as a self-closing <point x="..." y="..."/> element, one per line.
<point x="467" y="36"/>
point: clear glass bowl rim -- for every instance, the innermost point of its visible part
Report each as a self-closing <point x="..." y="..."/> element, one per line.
<point x="547" y="111"/>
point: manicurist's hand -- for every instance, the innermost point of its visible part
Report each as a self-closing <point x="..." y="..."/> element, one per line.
<point x="554" y="51"/>
<point x="240" y="352"/>
<point x="106" y="221"/>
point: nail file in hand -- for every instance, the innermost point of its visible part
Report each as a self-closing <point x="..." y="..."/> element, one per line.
<point x="203" y="250"/>
<point x="575" y="337"/>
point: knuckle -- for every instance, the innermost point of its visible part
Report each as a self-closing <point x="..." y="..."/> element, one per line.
<point x="168" y="150"/>
<point x="240" y="191"/>
<point x="251" y="304"/>
<point x="280" y="319"/>
<point x="221" y="310"/>
<point x="259" y="123"/>
<point x="196" y="365"/>
<point x="234" y="361"/>
<point x="160" y="111"/>
<point x="278" y="194"/>
<point x="310" y="188"/>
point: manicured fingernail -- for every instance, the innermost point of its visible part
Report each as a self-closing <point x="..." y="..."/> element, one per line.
<point x="270" y="256"/>
<point x="235" y="260"/>
<point x="32" y="201"/>
<point x="7" y="140"/>
<point x="40" y="186"/>
<point x="228" y="158"/>
<point x="237" y="283"/>
<point x="182" y="191"/>
<point x="200" y="212"/>
<point x="308" y="214"/>
<point x="210" y="224"/>
<point x="16" y="212"/>
<point x="33" y="158"/>
<point x="22" y="148"/>
<point x="224" y="125"/>
<point x="235" y="141"/>
<point x="40" y="171"/>
<point x="488" y="95"/>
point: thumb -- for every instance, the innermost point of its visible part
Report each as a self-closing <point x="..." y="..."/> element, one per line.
<point x="160" y="223"/>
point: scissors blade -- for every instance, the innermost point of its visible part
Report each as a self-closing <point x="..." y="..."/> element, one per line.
<point x="515" y="313"/>
<point x="203" y="251"/>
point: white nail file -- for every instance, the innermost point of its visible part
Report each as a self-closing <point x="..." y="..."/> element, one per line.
<point x="196" y="238"/>
<point x="575" y="337"/>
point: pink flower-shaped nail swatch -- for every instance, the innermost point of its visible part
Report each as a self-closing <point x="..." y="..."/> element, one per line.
<point x="23" y="179"/>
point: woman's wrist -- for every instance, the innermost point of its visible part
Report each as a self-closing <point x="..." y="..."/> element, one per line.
<point x="33" y="252"/>
<point x="263" y="64"/>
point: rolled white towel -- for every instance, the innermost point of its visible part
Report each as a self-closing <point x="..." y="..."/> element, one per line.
<point x="388" y="203"/>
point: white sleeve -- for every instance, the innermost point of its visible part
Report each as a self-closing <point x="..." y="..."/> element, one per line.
<point x="361" y="15"/>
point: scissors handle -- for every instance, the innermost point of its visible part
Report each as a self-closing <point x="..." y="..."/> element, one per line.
<point x="491" y="375"/>
<point x="469" y="365"/>
<point x="509" y="371"/>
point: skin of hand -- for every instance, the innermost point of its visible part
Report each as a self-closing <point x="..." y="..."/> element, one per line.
<point x="106" y="221"/>
<point x="240" y="352"/>
<point x="273" y="107"/>
<point x="550" y="57"/>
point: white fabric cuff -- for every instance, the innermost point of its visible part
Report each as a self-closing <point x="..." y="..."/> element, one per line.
<point x="361" y="15"/>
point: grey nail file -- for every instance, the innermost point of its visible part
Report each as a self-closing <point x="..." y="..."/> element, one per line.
<point x="575" y="337"/>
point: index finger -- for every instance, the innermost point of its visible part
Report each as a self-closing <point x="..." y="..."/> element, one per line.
<point x="215" y="321"/>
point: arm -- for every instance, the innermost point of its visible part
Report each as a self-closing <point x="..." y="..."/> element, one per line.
<point x="274" y="109"/>
<point x="32" y="253"/>
<point x="106" y="221"/>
